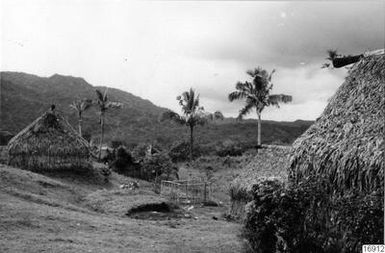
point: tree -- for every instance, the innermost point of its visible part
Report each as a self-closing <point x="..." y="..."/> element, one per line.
<point x="257" y="95"/>
<point x="193" y="114"/>
<point x="104" y="105"/>
<point x="80" y="106"/>
<point x="216" y="116"/>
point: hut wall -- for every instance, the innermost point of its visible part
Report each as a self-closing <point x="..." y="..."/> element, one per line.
<point x="49" y="163"/>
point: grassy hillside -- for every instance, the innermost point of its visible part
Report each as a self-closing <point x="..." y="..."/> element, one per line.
<point x="69" y="213"/>
<point x="24" y="97"/>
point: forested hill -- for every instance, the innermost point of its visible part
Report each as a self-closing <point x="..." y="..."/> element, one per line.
<point x="24" y="97"/>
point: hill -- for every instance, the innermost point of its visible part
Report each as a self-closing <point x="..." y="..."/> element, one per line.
<point x="76" y="213"/>
<point x="24" y="97"/>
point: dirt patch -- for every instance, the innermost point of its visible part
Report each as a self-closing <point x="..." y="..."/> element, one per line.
<point x="157" y="211"/>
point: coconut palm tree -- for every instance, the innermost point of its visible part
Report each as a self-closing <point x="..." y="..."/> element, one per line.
<point x="193" y="114"/>
<point x="104" y="105"/>
<point x="80" y="106"/>
<point x="256" y="95"/>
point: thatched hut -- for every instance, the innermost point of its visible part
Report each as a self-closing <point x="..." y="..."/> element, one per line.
<point x="47" y="144"/>
<point x="346" y="144"/>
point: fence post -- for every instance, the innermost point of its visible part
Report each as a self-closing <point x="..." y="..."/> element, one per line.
<point x="204" y="193"/>
<point x="187" y="191"/>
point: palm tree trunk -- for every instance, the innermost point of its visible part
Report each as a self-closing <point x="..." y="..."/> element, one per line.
<point x="102" y="134"/>
<point x="191" y="142"/>
<point x="80" y="125"/>
<point x="259" y="129"/>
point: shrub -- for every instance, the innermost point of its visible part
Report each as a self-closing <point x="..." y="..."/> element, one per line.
<point x="123" y="158"/>
<point x="159" y="167"/>
<point x="140" y="151"/>
<point x="180" y="151"/>
<point x="308" y="218"/>
<point x="229" y="148"/>
<point x="124" y="163"/>
<point x="239" y="192"/>
<point x="117" y="143"/>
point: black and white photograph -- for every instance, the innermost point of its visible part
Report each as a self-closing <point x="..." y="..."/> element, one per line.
<point x="192" y="126"/>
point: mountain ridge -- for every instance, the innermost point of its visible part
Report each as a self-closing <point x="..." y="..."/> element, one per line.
<point x="24" y="97"/>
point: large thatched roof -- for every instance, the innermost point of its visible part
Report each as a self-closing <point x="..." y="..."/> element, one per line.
<point x="48" y="143"/>
<point x="346" y="144"/>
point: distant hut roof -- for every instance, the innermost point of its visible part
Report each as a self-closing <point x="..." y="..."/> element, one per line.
<point x="48" y="143"/>
<point x="346" y="144"/>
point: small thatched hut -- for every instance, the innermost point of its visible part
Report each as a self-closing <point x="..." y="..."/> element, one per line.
<point x="346" y="144"/>
<point x="49" y="143"/>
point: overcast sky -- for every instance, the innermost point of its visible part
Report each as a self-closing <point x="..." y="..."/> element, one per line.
<point x="158" y="49"/>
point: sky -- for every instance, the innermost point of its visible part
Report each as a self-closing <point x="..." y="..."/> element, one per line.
<point x="159" y="49"/>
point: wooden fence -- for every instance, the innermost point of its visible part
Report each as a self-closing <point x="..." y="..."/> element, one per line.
<point x="186" y="191"/>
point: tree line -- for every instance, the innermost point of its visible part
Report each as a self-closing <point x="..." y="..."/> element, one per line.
<point x="254" y="92"/>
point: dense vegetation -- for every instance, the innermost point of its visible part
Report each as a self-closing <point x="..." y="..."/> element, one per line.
<point x="305" y="218"/>
<point x="25" y="97"/>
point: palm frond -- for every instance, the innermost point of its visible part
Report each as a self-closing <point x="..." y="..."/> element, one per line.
<point x="189" y="101"/>
<point x="271" y="75"/>
<point x="86" y="104"/>
<point x="99" y="95"/>
<point x="245" y="110"/>
<point x="251" y="72"/>
<point x="235" y="95"/>
<point x="279" y="98"/>
<point x="105" y="95"/>
<point x="332" y="53"/>
<point x="75" y="105"/>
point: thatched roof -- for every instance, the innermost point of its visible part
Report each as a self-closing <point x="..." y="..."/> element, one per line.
<point x="49" y="143"/>
<point x="346" y="144"/>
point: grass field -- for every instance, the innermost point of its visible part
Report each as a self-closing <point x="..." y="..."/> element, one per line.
<point x="81" y="213"/>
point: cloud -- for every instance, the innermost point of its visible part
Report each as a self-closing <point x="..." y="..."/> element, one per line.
<point x="158" y="49"/>
<point x="310" y="86"/>
<point x="302" y="32"/>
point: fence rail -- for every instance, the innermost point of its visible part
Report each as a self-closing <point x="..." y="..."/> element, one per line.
<point x="186" y="191"/>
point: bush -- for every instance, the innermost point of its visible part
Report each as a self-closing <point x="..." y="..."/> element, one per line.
<point x="180" y="151"/>
<point x="159" y="167"/>
<point x="239" y="192"/>
<point x="309" y="218"/>
<point x="140" y="151"/>
<point x="229" y="148"/>
<point x="124" y="163"/>
<point x="117" y="143"/>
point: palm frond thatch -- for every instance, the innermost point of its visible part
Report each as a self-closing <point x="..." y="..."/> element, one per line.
<point x="49" y="143"/>
<point x="346" y="144"/>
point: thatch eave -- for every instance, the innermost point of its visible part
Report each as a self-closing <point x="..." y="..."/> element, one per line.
<point x="346" y="144"/>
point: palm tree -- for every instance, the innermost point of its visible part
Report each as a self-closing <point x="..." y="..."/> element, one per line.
<point x="104" y="105"/>
<point x="257" y="95"/>
<point x="193" y="114"/>
<point x="80" y="106"/>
